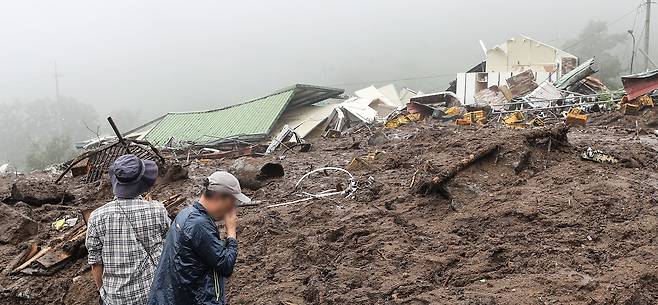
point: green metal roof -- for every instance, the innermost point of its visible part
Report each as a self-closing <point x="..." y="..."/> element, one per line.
<point x="252" y="120"/>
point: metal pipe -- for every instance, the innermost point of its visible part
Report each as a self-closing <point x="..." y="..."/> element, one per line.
<point x="116" y="131"/>
<point x="633" y="52"/>
<point x="647" y="33"/>
<point x="555" y="107"/>
<point x="547" y="100"/>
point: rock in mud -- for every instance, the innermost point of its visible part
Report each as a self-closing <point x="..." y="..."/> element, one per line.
<point x="39" y="192"/>
<point x="15" y="226"/>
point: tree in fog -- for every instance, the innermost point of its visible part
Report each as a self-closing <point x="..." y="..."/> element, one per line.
<point x="42" y="132"/>
<point x="595" y="41"/>
<point x="57" y="149"/>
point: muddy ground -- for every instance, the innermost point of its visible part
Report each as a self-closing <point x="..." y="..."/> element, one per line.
<point x="530" y="223"/>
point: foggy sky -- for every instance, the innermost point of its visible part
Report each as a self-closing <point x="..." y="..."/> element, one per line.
<point x="158" y="55"/>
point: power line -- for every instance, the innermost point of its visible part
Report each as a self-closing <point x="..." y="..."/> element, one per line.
<point x="395" y="80"/>
<point x="607" y="24"/>
<point x="635" y="10"/>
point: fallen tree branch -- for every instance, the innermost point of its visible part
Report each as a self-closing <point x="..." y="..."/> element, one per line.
<point x="437" y="184"/>
<point x="558" y="134"/>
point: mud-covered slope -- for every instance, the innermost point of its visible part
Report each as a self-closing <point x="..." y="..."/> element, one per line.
<point x="530" y="223"/>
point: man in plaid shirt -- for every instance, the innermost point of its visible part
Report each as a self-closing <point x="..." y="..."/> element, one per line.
<point x="125" y="236"/>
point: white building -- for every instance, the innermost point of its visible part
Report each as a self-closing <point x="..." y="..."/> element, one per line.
<point x="515" y="56"/>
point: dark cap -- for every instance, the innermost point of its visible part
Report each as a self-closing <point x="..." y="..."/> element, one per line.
<point x="131" y="176"/>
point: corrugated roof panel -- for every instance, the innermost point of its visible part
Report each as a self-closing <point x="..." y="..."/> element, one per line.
<point x="639" y="84"/>
<point x="251" y="118"/>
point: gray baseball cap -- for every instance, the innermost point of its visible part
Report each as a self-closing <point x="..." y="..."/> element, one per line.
<point x="225" y="183"/>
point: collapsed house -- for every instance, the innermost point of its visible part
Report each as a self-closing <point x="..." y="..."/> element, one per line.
<point x="517" y="55"/>
<point x="526" y="81"/>
<point x="251" y="121"/>
<point x="369" y="105"/>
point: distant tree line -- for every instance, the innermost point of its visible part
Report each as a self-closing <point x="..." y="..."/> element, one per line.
<point x="36" y="134"/>
<point x="595" y="41"/>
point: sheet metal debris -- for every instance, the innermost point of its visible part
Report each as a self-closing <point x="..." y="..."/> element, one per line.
<point x="284" y="135"/>
<point x="250" y="121"/>
<point x="576" y="75"/>
<point x="541" y="96"/>
<point x="640" y="84"/>
<point x="491" y="96"/>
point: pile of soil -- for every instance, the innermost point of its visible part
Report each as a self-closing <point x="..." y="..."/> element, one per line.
<point x="644" y="121"/>
<point x="529" y="223"/>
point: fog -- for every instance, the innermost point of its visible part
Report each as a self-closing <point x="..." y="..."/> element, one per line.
<point x="156" y="56"/>
<point x="149" y="57"/>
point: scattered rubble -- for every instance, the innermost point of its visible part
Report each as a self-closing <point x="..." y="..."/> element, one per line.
<point x="507" y="215"/>
<point x="485" y="195"/>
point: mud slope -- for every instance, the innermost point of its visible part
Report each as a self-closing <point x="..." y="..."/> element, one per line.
<point x="529" y="223"/>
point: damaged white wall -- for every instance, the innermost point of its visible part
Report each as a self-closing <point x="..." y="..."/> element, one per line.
<point x="516" y="55"/>
<point x="519" y="54"/>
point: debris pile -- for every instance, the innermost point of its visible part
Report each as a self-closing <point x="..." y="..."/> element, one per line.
<point x="388" y="197"/>
<point x="437" y="212"/>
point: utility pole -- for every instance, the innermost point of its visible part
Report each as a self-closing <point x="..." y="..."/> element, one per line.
<point x="632" y="53"/>
<point x="56" y="83"/>
<point x="647" y="30"/>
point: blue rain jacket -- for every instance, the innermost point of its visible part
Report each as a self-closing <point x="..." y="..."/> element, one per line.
<point x="194" y="262"/>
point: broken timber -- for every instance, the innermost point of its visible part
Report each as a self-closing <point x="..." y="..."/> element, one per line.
<point x="437" y="184"/>
<point x="67" y="246"/>
<point x="100" y="159"/>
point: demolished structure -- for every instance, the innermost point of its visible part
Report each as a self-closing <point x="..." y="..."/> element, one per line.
<point x="517" y="55"/>
<point x="483" y="207"/>
<point x="369" y="105"/>
<point x="250" y="121"/>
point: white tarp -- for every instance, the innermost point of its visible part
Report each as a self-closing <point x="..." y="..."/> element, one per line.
<point x="360" y="108"/>
<point x="305" y="119"/>
<point x="390" y="92"/>
<point x="374" y="94"/>
<point x="546" y="91"/>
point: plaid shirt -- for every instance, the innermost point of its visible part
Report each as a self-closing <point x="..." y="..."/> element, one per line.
<point x="118" y="235"/>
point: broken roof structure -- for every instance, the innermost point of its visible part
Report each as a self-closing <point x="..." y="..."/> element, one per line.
<point x="249" y="121"/>
<point x="640" y="84"/>
<point x="577" y="74"/>
<point x="369" y="105"/>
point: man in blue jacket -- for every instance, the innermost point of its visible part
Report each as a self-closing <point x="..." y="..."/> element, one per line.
<point x="195" y="261"/>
